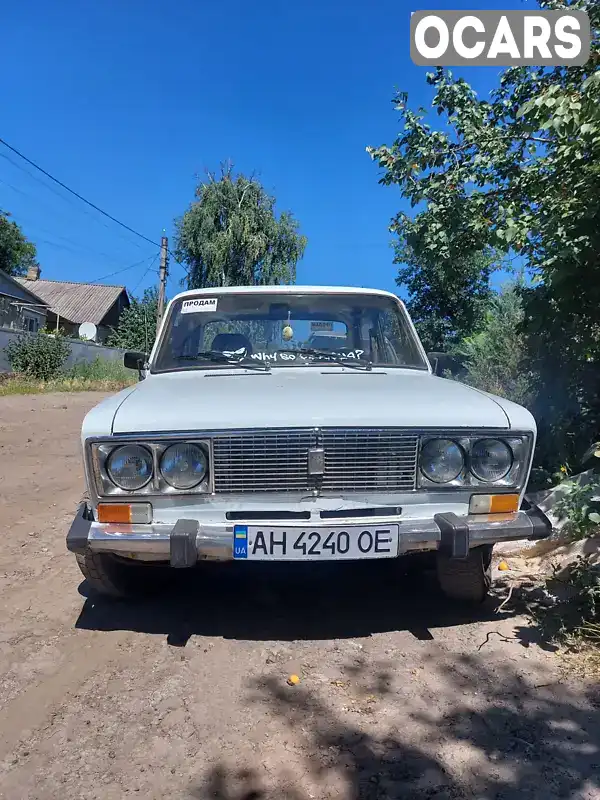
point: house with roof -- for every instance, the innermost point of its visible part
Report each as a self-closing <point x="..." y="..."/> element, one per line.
<point x="70" y="304"/>
<point x="20" y="308"/>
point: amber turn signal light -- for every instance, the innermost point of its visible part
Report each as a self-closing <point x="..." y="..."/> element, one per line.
<point x="111" y="512"/>
<point x="494" y="503"/>
<point x="127" y="513"/>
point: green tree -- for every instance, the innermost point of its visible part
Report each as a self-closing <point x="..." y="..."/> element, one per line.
<point x="231" y="236"/>
<point x="519" y="173"/>
<point x="447" y="300"/>
<point x="137" y="324"/>
<point x="495" y="358"/>
<point x="17" y="253"/>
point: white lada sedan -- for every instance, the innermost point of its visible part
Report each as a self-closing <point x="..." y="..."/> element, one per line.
<point x="290" y="423"/>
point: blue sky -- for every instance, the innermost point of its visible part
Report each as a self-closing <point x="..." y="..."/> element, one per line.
<point x="127" y="102"/>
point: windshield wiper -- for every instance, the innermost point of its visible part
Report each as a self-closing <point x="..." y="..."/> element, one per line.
<point x="324" y="355"/>
<point x="232" y="359"/>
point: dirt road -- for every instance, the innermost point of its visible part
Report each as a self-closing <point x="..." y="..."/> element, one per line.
<point x="186" y="696"/>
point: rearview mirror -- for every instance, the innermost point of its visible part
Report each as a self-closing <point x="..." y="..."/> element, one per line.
<point x="135" y="360"/>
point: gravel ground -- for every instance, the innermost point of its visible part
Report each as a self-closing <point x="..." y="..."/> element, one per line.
<point x="400" y="695"/>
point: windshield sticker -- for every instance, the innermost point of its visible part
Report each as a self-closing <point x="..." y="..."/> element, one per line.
<point x="199" y="304"/>
<point x="321" y="326"/>
<point x="302" y="357"/>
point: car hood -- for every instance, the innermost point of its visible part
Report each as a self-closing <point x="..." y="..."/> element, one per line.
<point x="311" y="396"/>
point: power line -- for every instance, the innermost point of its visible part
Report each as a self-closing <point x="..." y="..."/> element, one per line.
<point x="76" y="250"/>
<point x="84" y="200"/>
<point x="39" y="232"/>
<point x="154" y="260"/>
<point x="58" y="194"/>
<point x="119" y="271"/>
<point x="77" y="195"/>
<point x="181" y="264"/>
<point x="176" y="284"/>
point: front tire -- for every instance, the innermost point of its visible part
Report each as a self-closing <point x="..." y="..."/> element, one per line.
<point x="114" y="577"/>
<point x="466" y="580"/>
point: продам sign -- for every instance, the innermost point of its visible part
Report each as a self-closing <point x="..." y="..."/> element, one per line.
<point x="500" y="38"/>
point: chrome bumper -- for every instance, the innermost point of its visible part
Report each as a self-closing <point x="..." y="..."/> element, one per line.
<point x="188" y="541"/>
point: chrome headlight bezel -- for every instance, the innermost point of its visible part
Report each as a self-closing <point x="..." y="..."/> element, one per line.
<point x="520" y="445"/>
<point x="98" y="453"/>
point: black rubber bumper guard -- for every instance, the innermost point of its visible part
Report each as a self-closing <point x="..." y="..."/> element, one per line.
<point x="455" y="535"/>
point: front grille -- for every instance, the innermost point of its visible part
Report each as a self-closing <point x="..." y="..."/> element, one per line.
<point x="356" y="460"/>
<point x="265" y="461"/>
<point x="369" y="460"/>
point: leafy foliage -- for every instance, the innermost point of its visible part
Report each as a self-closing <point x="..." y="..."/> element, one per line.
<point x="137" y="324"/>
<point x="17" y="253"/>
<point x="579" y="505"/>
<point x="518" y="173"/>
<point x="447" y="299"/>
<point x="495" y="357"/>
<point x="38" y="356"/>
<point x="231" y="236"/>
<point x="585" y="578"/>
<point x="573" y="617"/>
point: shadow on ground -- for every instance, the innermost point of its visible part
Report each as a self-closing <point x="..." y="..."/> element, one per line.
<point x="260" y="602"/>
<point x="487" y="733"/>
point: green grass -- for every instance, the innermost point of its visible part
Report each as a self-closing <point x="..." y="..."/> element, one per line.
<point x="99" y="375"/>
<point x="101" y="370"/>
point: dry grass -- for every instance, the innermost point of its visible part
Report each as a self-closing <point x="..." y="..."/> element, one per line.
<point x="581" y="659"/>
<point x="20" y="385"/>
<point x="100" y="375"/>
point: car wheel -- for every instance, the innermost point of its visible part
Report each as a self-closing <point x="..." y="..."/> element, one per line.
<point x="467" y="580"/>
<point x="121" y="578"/>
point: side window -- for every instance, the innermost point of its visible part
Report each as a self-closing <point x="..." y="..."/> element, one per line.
<point x="398" y="341"/>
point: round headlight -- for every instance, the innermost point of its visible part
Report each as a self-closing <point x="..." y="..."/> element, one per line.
<point x="491" y="460"/>
<point x="183" y="465"/>
<point x="441" y="460"/>
<point x="130" y="467"/>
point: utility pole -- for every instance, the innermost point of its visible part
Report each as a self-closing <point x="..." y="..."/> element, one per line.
<point x="162" y="273"/>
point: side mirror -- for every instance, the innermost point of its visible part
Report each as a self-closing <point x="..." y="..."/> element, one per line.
<point x="134" y="360"/>
<point x="435" y="359"/>
<point x="442" y="362"/>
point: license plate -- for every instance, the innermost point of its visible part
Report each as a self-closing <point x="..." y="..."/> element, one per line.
<point x="267" y="543"/>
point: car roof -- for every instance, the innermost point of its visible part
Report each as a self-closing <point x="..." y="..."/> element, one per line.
<point x="287" y="289"/>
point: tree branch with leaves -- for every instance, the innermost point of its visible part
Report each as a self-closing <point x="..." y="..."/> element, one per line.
<point x="17" y="253"/>
<point x="516" y="174"/>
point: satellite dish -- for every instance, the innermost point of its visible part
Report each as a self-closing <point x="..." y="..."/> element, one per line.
<point x="87" y="330"/>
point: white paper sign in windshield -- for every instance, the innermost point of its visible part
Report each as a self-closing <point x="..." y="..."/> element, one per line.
<point x="321" y="326"/>
<point x="197" y="304"/>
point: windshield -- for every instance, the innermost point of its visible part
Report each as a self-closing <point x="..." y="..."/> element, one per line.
<point x="284" y="330"/>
